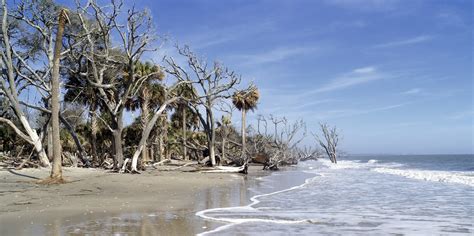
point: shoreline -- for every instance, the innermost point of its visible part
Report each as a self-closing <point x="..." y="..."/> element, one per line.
<point x="97" y="201"/>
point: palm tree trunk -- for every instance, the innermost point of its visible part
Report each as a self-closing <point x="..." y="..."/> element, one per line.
<point x="93" y="138"/>
<point x="185" y="156"/>
<point x="160" y="141"/>
<point x="223" y="149"/>
<point x="56" y="171"/>
<point x="144" y="120"/>
<point x="165" y="136"/>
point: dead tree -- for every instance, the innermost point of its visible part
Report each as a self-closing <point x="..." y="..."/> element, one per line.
<point x="279" y="148"/>
<point x="17" y="75"/>
<point x="329" y="141"/>
<point x="109" y="66"/>
<point x="309" y="153"/>
<point x="213" y="83"/>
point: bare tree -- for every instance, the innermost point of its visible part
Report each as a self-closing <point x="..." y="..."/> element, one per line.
<point x="213" y="83"/>
<point x="279" y="148"/>
<point x="109" y="65"/>
<point x="329" y="141"/>
<point x="309" y="153"/>
<point x="14" y="81"/>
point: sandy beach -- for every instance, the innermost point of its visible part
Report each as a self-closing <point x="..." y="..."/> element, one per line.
<point x="98" y="202"/>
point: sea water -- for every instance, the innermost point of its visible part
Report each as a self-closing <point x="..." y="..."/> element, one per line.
<point x="360" y="195"/>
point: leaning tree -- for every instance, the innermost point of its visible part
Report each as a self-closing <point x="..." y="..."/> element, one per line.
<point x="328" y="141"/>
<point x="149" y="97"/>
<point x="18" y="73"/>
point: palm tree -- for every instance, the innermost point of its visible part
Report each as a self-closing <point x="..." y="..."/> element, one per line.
<point x="225" y="125"/>
<point x="56" y="170"/>
<point x="245" y="100"/>
<point x="188" y="93"/>
<point x="82" y="93"/>
<point x="150" y="96"/>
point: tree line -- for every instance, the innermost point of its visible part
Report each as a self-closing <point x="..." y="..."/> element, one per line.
<point x="70" y="75"/>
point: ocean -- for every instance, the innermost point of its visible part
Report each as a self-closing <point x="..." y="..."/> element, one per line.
<point x="361" y="195"/>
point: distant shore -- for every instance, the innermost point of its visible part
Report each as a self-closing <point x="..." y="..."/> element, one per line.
<point x="97" y="201"/>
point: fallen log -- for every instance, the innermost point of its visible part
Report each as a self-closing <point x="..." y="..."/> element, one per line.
<point x="229" y="169"/>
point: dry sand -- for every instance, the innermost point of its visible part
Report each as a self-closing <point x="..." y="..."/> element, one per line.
<point x="96" y="202"/>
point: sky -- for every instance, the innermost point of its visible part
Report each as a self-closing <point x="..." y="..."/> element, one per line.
<point x="394" y="76"/>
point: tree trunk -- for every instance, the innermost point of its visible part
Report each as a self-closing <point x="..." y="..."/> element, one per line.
<point x="212" y="144"/>
<point x="212" y="153"/>
<point x="117" y="141"/>
<point x="12" y="93"/>
<point x="49" y="140"/>
<point x="93" y="138"/>
<point x="160" y="145"/>
<point x="36" y="141"/>
<point x="223" y="149"/>
<point x="151" y="150"/>
<point x="211" y="134"/>
<point x="144" y="120"/>
<point x="165" y="136"/>
<point x="243" y="131"/>
<point x="118" y="149"/>
<point x="145" y="134"/>
<point x="56" y="171"/>
<point x="80" y="148"/>
<point x="185" y="156"/>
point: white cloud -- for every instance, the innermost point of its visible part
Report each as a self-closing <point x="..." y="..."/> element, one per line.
<point x="412" y="91"/>
<point x="355" y="77"/>
<point x="353" y="112"/>
<point x="275" y="55"/>
<point x="410" y="41"/>
<point x="206" y="37"/>
<point x="461" y="115"/>
<point x="365" y="5"/>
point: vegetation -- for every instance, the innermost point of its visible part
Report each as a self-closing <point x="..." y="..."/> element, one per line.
<point x="102" y="57"/>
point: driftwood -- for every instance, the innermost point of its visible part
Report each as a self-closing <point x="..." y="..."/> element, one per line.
<point x="228" y="169"/>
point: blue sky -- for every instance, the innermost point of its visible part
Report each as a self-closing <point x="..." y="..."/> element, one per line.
<point x="394" y="76"/>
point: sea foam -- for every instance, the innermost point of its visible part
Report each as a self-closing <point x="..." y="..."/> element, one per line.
<point x="459" y="177"/>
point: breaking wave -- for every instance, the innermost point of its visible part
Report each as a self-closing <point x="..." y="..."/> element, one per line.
<point x="459" y="177"/>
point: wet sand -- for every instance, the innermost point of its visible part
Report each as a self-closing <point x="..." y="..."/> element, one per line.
<point x="96" y="202"/>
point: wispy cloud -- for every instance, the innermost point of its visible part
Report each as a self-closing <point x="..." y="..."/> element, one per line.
<point x="275" y="55"/>
<point x="355" y="77"/>
<point x="206" y="37"/>
<point x="462" y="115"/>
<point x="450" y="18"/>
<point x="410" y="41"/>
<point x="412" y="91"/>
<point x="331" y="114"/>
<point x="365" y="5"/>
